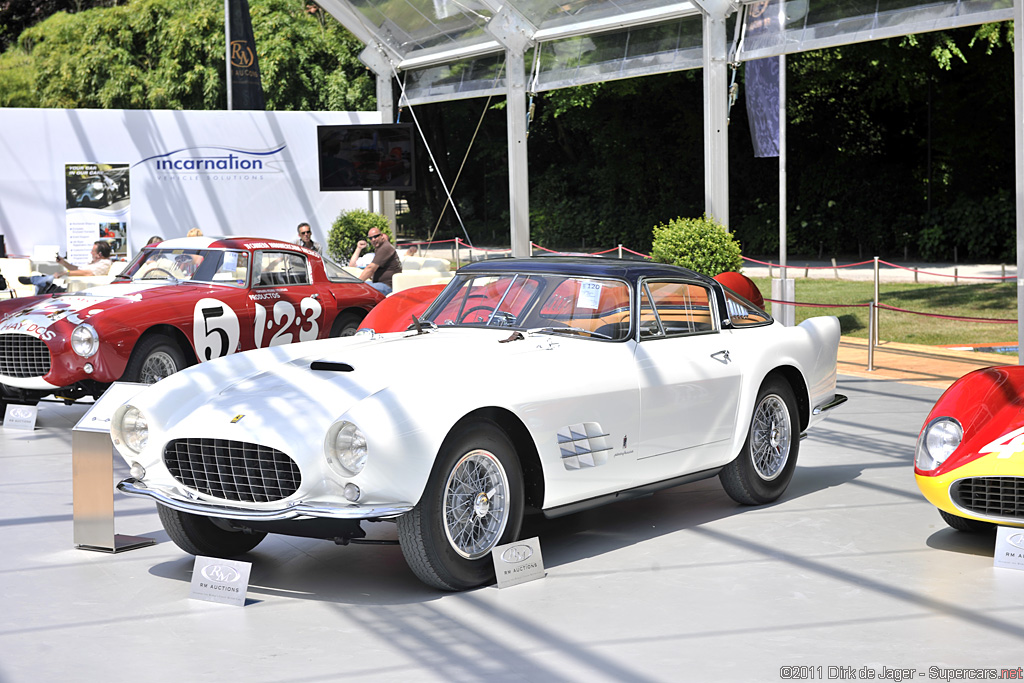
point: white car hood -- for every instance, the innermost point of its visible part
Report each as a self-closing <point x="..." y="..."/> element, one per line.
<point x="278" y="385"/>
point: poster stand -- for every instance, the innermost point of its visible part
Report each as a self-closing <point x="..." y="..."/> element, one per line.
<point x="92" y="462"/>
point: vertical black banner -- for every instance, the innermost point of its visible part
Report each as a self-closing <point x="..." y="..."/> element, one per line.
<point x="764" y="28"/>
<point x="246" y="87"/>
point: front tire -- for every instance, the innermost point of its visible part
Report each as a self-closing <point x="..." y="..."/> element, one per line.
<point x="473" y="502"/>
<point x="346" y="324"/>
<point x="965" y="524"/>
<point x="198" y="535"/>
<point x="154" y="358"/>
<point x="764" y="468"/>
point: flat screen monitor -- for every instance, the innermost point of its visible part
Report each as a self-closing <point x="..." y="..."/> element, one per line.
<point x="367" y="157"/>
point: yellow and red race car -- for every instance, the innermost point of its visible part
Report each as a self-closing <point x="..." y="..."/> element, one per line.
<point x="970" y="453"/>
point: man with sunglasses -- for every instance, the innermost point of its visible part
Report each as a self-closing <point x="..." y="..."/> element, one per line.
<point x="385" y="264"/>
<point x="306" y="238"/>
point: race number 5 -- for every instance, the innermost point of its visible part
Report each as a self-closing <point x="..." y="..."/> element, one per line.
<point x="1006" y="446"/>
<point x="215" y="329"/>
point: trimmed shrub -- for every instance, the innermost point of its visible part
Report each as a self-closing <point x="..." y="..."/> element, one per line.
<point x="349" y="228"/>
<point x="700" y="244"/>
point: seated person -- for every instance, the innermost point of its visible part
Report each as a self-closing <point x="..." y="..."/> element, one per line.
<point x="100" y="265"/>
<point x="385" y="262"/>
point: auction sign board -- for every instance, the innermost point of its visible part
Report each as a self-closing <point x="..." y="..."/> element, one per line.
<point x="70" y="175"/>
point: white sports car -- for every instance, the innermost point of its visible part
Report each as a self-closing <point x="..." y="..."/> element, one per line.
<point x="568" y="383"/>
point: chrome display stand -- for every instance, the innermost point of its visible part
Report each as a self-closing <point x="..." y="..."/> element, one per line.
<point x="92" y="463"/>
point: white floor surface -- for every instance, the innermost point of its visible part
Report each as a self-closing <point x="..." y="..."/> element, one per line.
<point x="850" y="573"/>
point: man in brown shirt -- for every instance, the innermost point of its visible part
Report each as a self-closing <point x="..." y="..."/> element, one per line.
<point x="385" y="261"/>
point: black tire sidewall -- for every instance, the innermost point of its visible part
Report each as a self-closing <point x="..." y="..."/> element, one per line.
<point x="484" y="435"/>
<point x="772" y="489"/>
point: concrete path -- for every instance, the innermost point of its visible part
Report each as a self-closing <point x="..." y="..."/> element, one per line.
<point x="926" y="366"/>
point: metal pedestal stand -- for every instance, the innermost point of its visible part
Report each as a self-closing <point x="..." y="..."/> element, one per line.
<point x="92" y="463"/>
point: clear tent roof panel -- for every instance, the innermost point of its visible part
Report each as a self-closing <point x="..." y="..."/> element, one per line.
<point x="443" y="50"/>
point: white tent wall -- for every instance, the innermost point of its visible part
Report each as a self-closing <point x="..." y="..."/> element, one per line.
<point x="262" y="181"/>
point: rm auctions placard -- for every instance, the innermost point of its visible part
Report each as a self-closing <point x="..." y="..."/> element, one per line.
<point x="1009" y="548"/>
<point x="518" y="562"/>
<point x="217" y="580"/>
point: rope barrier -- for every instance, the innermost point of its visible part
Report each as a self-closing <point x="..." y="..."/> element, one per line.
<point x="886" y="307"/>
<point x="792" y="267"/>
<point x="964" y="277"/>
<point x="460" y="242"/>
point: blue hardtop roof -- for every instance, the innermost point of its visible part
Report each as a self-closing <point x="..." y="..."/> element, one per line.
<point x="594" y="266"/>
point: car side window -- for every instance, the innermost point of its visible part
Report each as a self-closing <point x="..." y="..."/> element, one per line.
<point x="278" y="268"/>
<point x="742" y="313"/>
<point x="671" y="309"/>
<point x="233" y="269"/>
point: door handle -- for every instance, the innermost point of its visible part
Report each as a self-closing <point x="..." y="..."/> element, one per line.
<point x="721" y="356"/>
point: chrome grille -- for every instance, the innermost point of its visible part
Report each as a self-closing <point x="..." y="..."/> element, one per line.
<point x="993" y="496"/>
<point x="232" y="470"/>
<point x="22" y="355"/>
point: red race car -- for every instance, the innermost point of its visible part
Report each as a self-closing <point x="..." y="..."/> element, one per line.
<point x="970" y="453"/>
<point x="178" y="302"/>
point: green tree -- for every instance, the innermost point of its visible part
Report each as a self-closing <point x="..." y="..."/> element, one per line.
<point x="169" y="54"/>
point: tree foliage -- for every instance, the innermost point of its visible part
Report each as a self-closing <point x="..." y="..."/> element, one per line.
<point x="169" y="54"/>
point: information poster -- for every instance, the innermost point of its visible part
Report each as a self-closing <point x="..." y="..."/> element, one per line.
<point x="97" y="203"/>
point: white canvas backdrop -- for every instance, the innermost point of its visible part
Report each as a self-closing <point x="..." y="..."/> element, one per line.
<point x="259" y="174"/>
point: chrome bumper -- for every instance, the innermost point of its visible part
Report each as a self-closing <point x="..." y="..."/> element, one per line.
<point x="134" y="487"/>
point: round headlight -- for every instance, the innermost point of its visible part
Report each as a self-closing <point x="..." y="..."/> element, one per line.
<point x="346" y="449"/>
<point x="84" y="340"/>
<point x="937" y="442"/>
<point x="134" y="429"/>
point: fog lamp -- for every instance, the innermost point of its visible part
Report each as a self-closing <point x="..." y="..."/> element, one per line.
<point x="352" y="493"/>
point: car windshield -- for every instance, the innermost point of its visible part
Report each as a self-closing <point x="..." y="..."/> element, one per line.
<point x="548" y="303"/>
<point x="336" y="273"/>
<point x="220" y="266"/>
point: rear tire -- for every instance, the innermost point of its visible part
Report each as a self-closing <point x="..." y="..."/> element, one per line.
<point x="965" y="524"/>
<point x="473" y="502"/>
<point x="764" y="468"/>
<point x="198" y="535"/>
<point x="155" y="357"/>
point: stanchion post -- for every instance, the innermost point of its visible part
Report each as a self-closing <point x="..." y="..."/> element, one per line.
<point x="807" y="270"/>
<point x="770" y="273"/>
<point x="956" y="276"/>
<point x="871" y="336"/>
<point x="874" y="315"/>
<point x="620" y="253"/>
<point x="458" y="253"/>
<point x="835" y="270"/>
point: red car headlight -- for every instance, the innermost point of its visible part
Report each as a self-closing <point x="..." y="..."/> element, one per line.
<point x="937" y="442"/>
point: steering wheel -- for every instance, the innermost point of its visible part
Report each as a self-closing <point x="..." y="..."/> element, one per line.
<point x="503" y="318"/>
<point x="154" y="270"/>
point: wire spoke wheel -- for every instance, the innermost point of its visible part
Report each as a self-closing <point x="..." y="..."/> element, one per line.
<point x="764" y="467"/>
<point x="475" y="504"/>
<point x="157" y="366"/>
<point x="771" y="434"/>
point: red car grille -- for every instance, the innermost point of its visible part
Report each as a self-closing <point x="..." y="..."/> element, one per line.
<point x="232" y="470"/>
<point x="22" y="355"/>
<point x="993" y="496"/>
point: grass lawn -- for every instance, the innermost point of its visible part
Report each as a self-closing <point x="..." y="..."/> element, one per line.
<point x="987" y="300"/>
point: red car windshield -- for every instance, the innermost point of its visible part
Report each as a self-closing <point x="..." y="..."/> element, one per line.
<point x="220" y="266"/>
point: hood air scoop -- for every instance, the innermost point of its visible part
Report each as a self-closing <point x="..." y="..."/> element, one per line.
<point x="329" y="366"/>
